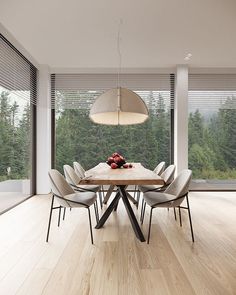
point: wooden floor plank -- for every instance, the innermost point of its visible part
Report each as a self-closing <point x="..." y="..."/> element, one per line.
<point x="118" y="263"/>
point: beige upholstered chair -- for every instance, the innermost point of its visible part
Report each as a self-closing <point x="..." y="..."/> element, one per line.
<point x="167" y="176"/>
<point x="74" y="179"/>
<point x="67" y="198"/>
<point x="172" y="197"/>
<point x="160" y="168"/>
<point x="79" y="169"/>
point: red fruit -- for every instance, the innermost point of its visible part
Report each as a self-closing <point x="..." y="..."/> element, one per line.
<point x="114" y="165"/>
<point x="126" y="166"/>
<point x="130" y="165"/>
<point x="115" y="154"/>
<point x="117" y="159"/>
<point x="110" y="160"/>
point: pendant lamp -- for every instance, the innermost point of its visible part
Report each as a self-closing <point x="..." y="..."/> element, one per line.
<point x="119" y="106"/>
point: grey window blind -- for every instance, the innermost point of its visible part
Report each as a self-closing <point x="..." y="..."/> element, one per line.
<point x="211" y="92"/>
<point x="17" y="74"/>
<point x="78" y="91"/>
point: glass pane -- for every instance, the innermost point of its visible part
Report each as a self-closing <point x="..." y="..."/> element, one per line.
<point x="212" y="139"/>
<point x="15" y="147"/>
<point x="79" y="139"/>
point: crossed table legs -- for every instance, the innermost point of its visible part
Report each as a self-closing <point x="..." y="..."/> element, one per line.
<point x="110" y="191"/>
<point x="122" y="194"/>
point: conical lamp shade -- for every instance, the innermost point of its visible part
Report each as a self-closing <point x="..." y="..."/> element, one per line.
<point x="119" y="106"/>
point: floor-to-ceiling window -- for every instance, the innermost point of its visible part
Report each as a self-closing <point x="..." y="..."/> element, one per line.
<point x="212" y="130"/>
<point x="17" y="108"/>
<point x="77" y="138"/>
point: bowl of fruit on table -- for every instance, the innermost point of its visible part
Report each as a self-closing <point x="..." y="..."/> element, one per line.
<point x="117" y="161"/>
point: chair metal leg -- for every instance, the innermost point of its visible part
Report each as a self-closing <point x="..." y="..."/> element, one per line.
<point x="175" y="214"/>
<point x="59" y="217"/>
<point x="144" y="208"/>
<point x="90" y="225"/>
<point x="141" y="213"/>
<point x="100" y="198"/>
<point x="135" y="190"/>
<point x="138" y="197"/>
<point x="190" y="220"/>
<point x="70" y="208"/>
<point x="96" y="211"/>
<point x="149" y="228"/>
<point x="50" y="217"/>
<point x="103" y="192"/>
<point x="180" y="218"/>
<point x="64" y="213"/>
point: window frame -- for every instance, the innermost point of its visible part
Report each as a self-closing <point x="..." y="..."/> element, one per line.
<point x="213" y="85"/>
<point x="53" y="119"/>
<point x="33" y="117"/>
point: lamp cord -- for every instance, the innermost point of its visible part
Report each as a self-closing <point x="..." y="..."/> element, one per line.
<point x="119" y="53"/>
<point x="118" y="70"/>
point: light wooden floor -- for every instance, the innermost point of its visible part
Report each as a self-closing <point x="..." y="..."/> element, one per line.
<point x="118" y="263"/>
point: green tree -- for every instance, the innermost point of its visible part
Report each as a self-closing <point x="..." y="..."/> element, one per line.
<point x="77" y="138"/>
<point x="15" y="138"/>
<point x="196" y="129"/>
<point x="227" y="119"/>
<point x="6" y="134"/>
<point x="201" y="158"/>
<point x="212" y="142"/>
<point x="22" y="146"/>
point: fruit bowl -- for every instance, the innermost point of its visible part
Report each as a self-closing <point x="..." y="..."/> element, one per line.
<point x="117" y="161"/>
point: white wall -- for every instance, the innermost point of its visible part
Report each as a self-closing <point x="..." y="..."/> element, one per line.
<point x="43" y="130"/>
<point x="181" y="118"/>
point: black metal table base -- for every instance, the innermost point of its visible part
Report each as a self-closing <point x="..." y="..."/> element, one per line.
<point x="121" y="194"/>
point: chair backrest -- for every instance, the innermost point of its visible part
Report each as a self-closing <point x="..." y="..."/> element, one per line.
<point x="59" y="186"/>
<point x="168" y="174"/>
<point x="180" y="186"/>
<point x="71" y="176"/>
<point x="79" y="169"/>
<point x="160" y="168"/>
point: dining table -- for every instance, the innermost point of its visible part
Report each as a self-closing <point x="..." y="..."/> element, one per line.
<point x="103" y="174"/>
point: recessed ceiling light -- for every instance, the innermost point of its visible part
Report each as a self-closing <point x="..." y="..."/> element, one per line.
<point x="188" y="56"/>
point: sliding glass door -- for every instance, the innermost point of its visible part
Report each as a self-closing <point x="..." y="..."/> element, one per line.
<point x="79" y="139"/>
<point x="17" y="99"/>
<point x="212" y="131"/>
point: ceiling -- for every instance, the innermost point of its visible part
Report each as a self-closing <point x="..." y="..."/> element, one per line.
<point x="154" y="33"/>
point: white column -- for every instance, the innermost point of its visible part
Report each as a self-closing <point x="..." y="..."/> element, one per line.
<point x="181" y="118"/>
<point x="43" y="130"/>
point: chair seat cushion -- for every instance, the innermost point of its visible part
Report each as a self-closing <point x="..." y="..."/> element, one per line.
<point x="145" y="188"/>
<point x="153" y="198"/>
<point x="87" y="198"/>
